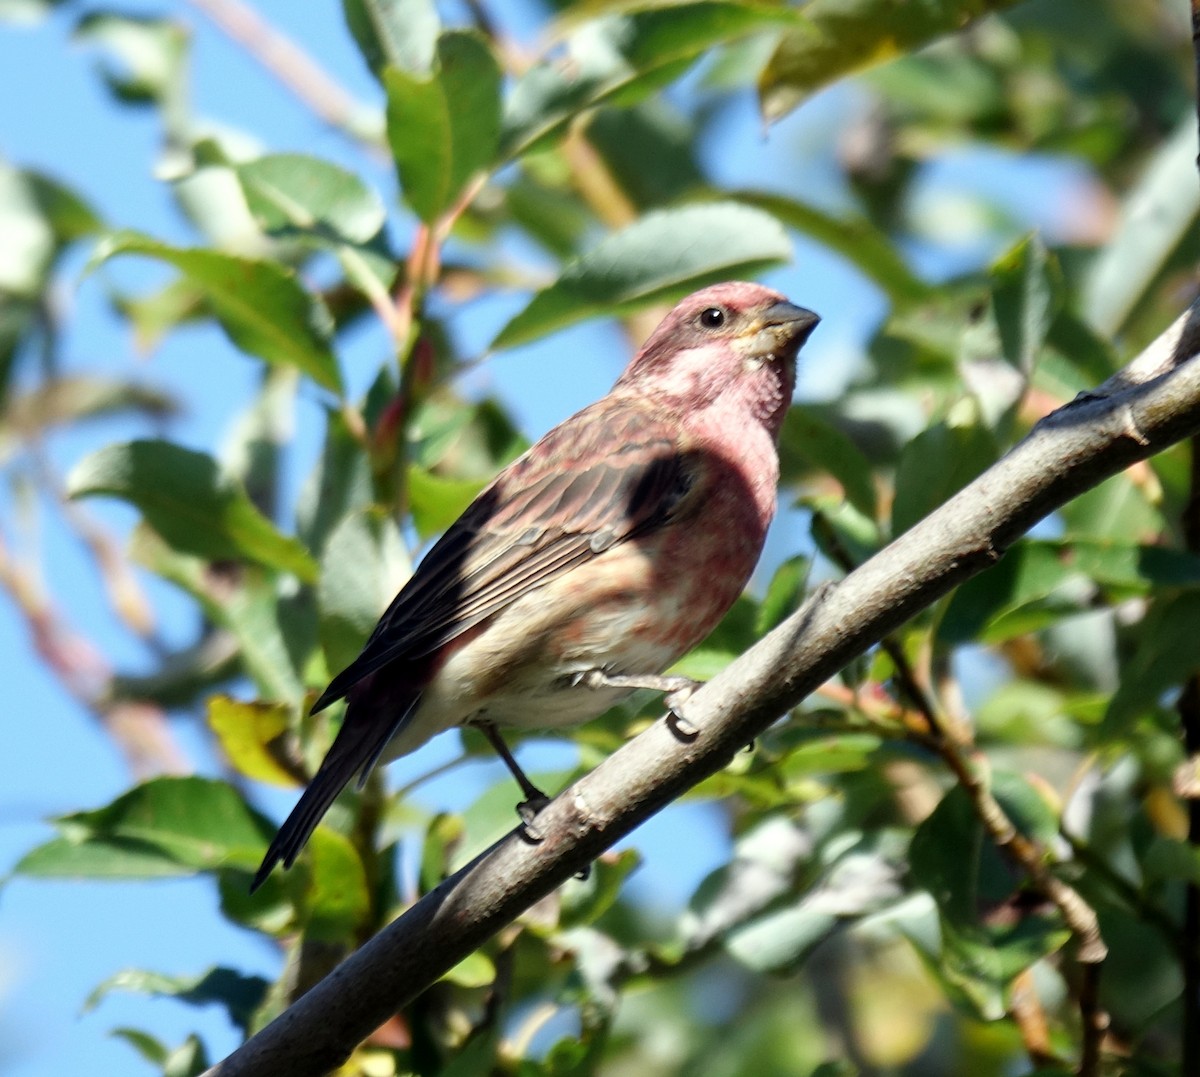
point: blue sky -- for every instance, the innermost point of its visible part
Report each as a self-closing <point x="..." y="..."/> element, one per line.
<point x="58" y="940"/>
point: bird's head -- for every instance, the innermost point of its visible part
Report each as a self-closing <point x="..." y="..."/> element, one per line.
<point x="734" y="342"/>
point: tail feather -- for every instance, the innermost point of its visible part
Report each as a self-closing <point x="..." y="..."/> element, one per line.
<point x="357" y="747"/>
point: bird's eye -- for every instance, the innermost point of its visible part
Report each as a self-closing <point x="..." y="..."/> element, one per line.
<point x="712" y="318"/>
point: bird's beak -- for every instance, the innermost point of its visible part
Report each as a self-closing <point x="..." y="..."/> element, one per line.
<point x="780" y="330"/>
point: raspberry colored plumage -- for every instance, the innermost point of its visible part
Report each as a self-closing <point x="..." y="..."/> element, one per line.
<point x="615" y="544"/>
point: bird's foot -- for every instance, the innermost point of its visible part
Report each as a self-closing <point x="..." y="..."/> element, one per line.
<point x="678" y="691"/>
<point x="528" y="811"/>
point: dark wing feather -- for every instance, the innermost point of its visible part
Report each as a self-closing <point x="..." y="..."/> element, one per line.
<point x="604" y="476"/>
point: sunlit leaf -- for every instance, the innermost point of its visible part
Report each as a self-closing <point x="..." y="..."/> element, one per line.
<point x="166" y="826"/>
<point x="260" y="304"/>
<point x="394" y="33"/>
<point x="662" y="256"/>
<point x="835" y="38"/>
<point x="186" y="499"/>
<point x="444" y="128"/>
<point x="245" y="732"/>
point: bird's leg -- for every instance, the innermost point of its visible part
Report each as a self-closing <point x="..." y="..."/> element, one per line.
<point x="535" y="800"/>
<point x="678" y="690"/>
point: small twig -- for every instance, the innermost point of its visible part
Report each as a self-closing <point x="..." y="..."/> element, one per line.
<point x="1030" y="1019"/>
<point x="139" y="729"/>
<point x="299" y="73"/>
<point x="1033" y="859"/>
<point x="1188" y="708"/>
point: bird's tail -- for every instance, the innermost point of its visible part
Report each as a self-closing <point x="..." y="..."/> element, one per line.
<point x="357" y="747"/>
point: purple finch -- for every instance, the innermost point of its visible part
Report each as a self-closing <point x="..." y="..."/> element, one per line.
<point x="590" y="564"/>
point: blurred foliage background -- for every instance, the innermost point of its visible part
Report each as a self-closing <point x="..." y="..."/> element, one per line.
<point x="518" y="170"/>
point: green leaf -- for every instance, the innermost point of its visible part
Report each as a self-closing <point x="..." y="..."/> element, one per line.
<point x="240" y="995"/>
<point x="166" y="826"/>
<point x="444" y="128"/>
<point x="988" y="937"/>
<point x="186" y="499"/>
<point x="260" y="304"/>
<point x="1026" y="294"/>
<point x="855" y="238"/>
<point x="938" y="463"/>
<point x="294" y="190"/>
<point x="1041" y="580"/>
<point x="623" y="58"/>
<point x="148" y="55"/>
<point x="70" y="858"/>
<point x="785" y="593"/>
<point x="1155" y="216"/>
<point x="436" y="502"/>
<point x="248" y="606"/>
<point x="68" y="400"/>
<point x="662" y="256"/>
<point x="474" y="970"/>
<point x="335" y="901"/>
<point x="953" y="857"/>
<point x="585" y="903"/>
<point x="362" y="568"/>
<point x="821" y="445"/>
<point x="394" y="33"/>
<point x="340" y="483"/>
<point x="834" y="38"/>
<point x="292" y="195"/>
<point x="1164" y="657"/>
<point x="146" y="1045"/>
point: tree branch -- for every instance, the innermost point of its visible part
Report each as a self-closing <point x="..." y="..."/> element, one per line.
<point x="1151" y="404"/>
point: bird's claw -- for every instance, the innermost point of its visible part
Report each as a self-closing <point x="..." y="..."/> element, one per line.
<point x="528" y="811"/>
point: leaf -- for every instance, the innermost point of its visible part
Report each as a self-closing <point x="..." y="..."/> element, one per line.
<point x="988" y="937"/>
<point x="238" y="994"/>
<point x="474" y="970"/>
<point x="335" y="902"/>
<point x="1026" y="294"/>
<point x="823" y="446"/>
<point x="1165" y="655"/>
<point x="861" y="881"/>
<point x="248" y="606"/>
<point x="623" y="58"/>
<point x="363" y="566"/>
<point x="186" y="499"/>
<point x="65" y="401"/>
<point x="394" y="33"/>
<point x="149" y="55"/>
<point x="436" y="502"/>
<point x="444" y="128"/>
<point x="166" y="826"/>
<point x="585" y="903"/>
<point x="340" y="483"/>
<point x="260" y="304"/>
<point x="1155" y="215"/>
<point x="834" y="38"/>
<point x="245" y="732"/>
<point x="294" y="190"/>
<point x="955" y="860"/>
<point x="664" y="255"/>
<point x="1041" y="580"/>
<point x="784" y="594"/>
<point x="292" y="195"/>
<point x="855" y="238"/>
<point x="939" y="462"/>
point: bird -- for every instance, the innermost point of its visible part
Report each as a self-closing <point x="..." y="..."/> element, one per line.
<point x="591" y="563"/>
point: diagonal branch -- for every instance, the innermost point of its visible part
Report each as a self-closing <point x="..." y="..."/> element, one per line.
<point x="1151" y="404"/>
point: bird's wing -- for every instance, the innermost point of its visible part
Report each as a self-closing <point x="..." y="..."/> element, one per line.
<point x="604" y="476"/>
